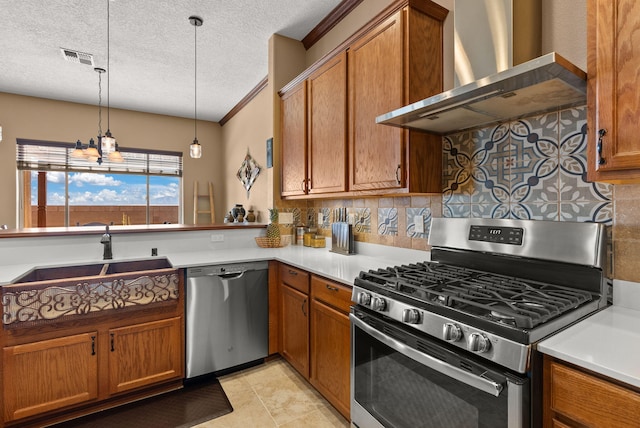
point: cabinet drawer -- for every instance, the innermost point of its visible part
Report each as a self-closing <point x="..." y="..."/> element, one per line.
<point x="295" y="278"/>
<point x="591" y="400"/>
<point x="331" y="293"/>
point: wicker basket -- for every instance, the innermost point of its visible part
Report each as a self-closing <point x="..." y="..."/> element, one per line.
<point x="266" y="242"/>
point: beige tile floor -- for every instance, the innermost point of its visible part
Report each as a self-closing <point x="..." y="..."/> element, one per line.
<point x="274" y="395"/>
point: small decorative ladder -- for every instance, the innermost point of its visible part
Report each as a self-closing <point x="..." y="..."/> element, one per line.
<point x="196" y="205"/>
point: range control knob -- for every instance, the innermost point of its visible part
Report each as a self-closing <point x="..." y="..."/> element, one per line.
<point x="364" y="299"/>
<point x="411" y="316"/>
<point x="378" y="304"/>
<point x="478" y="342"/>
<point x="451" y="332"/>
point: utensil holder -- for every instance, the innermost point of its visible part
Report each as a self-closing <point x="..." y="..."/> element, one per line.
<point x="342" y="238"/>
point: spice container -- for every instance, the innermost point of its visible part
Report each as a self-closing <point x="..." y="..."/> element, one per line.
<point x="318" y="241"/>
<point x="306" y="241"/>
<point x="300" y="231"/>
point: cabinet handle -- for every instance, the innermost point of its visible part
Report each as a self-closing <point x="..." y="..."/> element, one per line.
<point x="304" y="303"/>
<point x="331" y="288"/>
<point x="304" y="185"/>
<point x="398" y="173"/>
<point x="93" y="345"/>
<point x="308" y="185"/>
<point x="601" y="133"/>
<point x="112" y="346"/>
<point x="293" y="272"/>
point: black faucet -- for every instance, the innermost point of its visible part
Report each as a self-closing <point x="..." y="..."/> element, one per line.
<point x="106" y="241"/>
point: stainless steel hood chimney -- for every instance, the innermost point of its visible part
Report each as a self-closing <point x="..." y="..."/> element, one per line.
<point x="541" y="84"/>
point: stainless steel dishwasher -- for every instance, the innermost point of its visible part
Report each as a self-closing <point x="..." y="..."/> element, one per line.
<point x="227" y="311"/>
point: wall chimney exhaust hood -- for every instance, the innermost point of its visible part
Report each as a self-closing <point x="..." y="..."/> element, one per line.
<point x="484" y="33"/>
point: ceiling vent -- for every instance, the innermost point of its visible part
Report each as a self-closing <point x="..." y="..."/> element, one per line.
<point x="77" y="57"/>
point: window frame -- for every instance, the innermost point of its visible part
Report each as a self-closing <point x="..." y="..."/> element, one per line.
<point x="56" y="157"/>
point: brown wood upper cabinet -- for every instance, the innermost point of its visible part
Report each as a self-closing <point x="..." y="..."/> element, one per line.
<point x="331" y="144"/>
<point x="314" y="136"/>
<point x="396" y="63"/>
<point x="613" y="63"/>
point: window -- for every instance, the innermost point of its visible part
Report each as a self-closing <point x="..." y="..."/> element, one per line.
<point x="58" y="190"/>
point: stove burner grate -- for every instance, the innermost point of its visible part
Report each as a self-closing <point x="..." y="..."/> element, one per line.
<point x="499" y="298"/>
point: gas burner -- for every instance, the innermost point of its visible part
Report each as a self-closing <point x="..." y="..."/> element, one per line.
<point x="494" y="297"/>
<point x="502" y="317"/>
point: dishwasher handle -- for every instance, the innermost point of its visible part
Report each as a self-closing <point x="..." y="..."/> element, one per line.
<point x="234" y="275"/>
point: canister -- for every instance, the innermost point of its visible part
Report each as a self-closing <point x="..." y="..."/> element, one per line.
<point x="308" y="237"/>
<point x="300" y="231"/>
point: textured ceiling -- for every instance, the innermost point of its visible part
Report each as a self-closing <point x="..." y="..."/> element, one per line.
<point x="151" y="50"/>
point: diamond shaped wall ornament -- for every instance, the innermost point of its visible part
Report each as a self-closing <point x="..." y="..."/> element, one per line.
<point x="248" y="172"/>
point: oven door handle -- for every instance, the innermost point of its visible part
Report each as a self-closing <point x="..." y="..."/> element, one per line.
<point x="483" y="384"/>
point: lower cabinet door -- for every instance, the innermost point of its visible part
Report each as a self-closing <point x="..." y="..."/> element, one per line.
<point x="49" y="375"/>
<point x="295" y="328"/>
<point x="330" y="344"/>
<point x="144" y="354"/>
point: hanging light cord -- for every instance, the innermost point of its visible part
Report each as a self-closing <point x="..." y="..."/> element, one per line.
<point x="99" y="103"/>
<point x="108" y="69"/>
<point x="195" y="81"/>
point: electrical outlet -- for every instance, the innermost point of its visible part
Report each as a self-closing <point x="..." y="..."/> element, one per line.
<point x="419" y="222"/>
<point x="217" y="237"/>
<point x="285" y="218"/>
<point x="320" y="219"/>
<point x="351" y="218"/>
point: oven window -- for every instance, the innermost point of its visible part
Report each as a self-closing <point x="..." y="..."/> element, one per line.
<point x="400" y="392"/>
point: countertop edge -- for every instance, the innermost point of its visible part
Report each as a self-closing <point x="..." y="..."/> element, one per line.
<point x="605" y="343"/>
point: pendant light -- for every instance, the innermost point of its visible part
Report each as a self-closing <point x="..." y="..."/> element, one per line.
<point x="195" y="149"/>
<point x="109" y="142"/>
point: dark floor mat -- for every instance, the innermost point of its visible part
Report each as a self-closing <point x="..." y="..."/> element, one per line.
<point x="186" y="407"/>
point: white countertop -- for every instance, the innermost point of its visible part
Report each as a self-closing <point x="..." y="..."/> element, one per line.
<point x="607" y="342"/>
<point x="321" y="261"/>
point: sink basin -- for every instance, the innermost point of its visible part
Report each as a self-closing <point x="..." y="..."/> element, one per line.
<point x="98" y="269"/>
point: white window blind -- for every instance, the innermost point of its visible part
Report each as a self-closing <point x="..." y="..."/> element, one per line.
<point x="55" y="156"/>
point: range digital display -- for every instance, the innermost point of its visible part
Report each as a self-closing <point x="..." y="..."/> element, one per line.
<point x="500" y="235"/>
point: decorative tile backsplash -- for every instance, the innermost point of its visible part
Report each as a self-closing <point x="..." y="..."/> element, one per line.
<point x="532" y="168"/>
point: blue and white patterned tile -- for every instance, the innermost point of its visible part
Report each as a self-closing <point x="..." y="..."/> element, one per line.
<point x="326" y="218"/>
<point x="297" y="216"/>
<point x="456" y="210"/>
<point x="587" y="211"/>
<point x="412" y="213"/>
<point x="537" y="210"/>
<point x="312" y="218"/>
<point x="573" y="159"/>
<point x="489" y="210"/>
<point x="363" y="220"/>
<point x="387" y="221"/>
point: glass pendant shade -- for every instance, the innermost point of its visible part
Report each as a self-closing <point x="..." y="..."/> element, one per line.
<point x="115" y="155"/>
<point x="108" y="143"/>
<point x="78" y="152"/>
<point x="195" y="149"/>
<point x="92" y="150"/>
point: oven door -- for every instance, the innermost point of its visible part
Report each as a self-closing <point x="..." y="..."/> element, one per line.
<point x="400" y="379"/>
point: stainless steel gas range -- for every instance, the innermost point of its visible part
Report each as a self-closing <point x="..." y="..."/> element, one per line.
<point x="451" y="342"/>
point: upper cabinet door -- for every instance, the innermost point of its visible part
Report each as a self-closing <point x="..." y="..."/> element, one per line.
<point x="613" y="96"/>
<point x="376" y="87"/>
<point x="327" y="133"/>
<point x="294" y="141"/>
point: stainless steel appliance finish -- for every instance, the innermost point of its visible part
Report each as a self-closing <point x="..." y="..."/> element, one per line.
<point x="227" y="312"/>
<point x="493" y="289"/>
<point x="499" y="73"/>
<point x="542" y="84"/>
